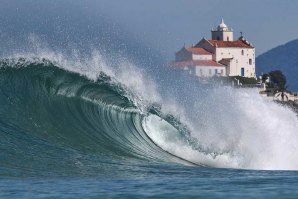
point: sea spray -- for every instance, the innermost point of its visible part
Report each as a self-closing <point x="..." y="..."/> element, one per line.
<point x="228" y="127"/>
<point x="235" y="128"/>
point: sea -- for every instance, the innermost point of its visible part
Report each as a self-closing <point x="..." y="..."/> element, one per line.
<point x="104" y="123"/>
<point x="99" y="134"/>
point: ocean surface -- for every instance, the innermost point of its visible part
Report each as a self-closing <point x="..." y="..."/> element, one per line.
<point x="89" y="108"/>
<point x="69" y="132"/>
<point x="157" y="181"/>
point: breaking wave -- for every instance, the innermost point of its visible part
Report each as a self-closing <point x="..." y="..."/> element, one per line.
<point x="57" y="119"/>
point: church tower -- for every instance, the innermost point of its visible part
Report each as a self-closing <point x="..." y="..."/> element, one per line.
<point x="222" y="33"/>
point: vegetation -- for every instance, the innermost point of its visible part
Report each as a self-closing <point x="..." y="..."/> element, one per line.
<point x="277" y="82"/>
<point x="282" y="58"/>
<point x="246" y="80"/>
<point x="265" y="77"/>
<point x="242" y="80"/>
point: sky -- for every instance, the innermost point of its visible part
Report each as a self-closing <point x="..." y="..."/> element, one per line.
<point x="162" y="25"/>
<point x="168" y="24"/>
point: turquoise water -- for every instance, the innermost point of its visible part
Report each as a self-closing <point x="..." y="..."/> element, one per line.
<point x="65" y="135"/>
<point x="90" y="110"/>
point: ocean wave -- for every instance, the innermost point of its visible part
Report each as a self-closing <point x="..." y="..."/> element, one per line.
<point x="50" y="115"/>
<point x="56" y="119"/>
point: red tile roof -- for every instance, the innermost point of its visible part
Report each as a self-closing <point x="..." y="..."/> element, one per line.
<point x="233" y="44"/>
<point x="199" y="51"/>
<point x="198" y="63"/>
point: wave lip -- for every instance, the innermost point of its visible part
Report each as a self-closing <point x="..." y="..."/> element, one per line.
<point x="59" y="120"/>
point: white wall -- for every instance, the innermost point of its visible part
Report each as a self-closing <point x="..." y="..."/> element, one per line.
<point x="209" y="71"/>
<point x="239" y="61"/>
<point x="201" y="57"/>
<point x="222" y="35"/>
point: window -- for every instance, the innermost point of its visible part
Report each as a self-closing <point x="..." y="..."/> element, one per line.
<point x="216" y="71"/>
<point x="242" y="52"/>
<point x="250" y="61"/>
<point x="221" y="71"/>
<point x="210" y="71"/>
<point x="228" y="39"/>
<point x="218" y="38"/>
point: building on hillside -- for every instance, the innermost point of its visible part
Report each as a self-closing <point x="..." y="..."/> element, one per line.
<point x="219" y="56"/>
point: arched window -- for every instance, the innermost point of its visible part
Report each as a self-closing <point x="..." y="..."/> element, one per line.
<point x="228" y="39"/>
<point x="250" y="61"/>
<point x="242" y="52"/>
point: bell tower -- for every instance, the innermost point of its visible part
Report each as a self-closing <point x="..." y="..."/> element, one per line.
<point x="222" y="33"/>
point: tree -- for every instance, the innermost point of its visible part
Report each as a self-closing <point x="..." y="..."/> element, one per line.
<point x="265" y="77"/>
<point x="278" y="81"/>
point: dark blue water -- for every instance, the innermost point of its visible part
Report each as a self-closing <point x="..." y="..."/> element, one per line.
<point x="160" y="181"/>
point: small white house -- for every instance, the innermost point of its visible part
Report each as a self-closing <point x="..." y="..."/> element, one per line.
<point x="221" y="55"/>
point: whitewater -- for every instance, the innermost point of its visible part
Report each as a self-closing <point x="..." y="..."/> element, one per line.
<point x="102" y="125"/>
<point x="222" y="123"/>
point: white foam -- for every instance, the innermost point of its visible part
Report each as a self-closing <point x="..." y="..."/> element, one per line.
<point x="140" y="88"/>
<point x="246" y="130"/>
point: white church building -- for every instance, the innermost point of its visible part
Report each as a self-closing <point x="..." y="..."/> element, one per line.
<point x="220" y="56"/>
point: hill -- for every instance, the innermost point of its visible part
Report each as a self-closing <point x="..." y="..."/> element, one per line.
<point x="284" y="58"/>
